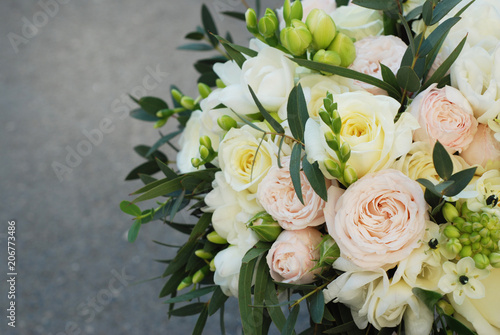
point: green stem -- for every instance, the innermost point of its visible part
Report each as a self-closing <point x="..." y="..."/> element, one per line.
<point x="310" y="293"/>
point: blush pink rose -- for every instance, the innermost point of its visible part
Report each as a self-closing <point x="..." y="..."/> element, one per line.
<point x="277" y="195"/>
<point x="444" y="115"/>
<point x="371" y="51"/>
<point x="293" y="255"/>
<point x="484" y="149"/>
<point x="379" y="219"/>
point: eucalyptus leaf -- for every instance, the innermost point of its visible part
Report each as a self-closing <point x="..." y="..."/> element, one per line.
<point x="134" y="231"/>
<point x="427" y="9"/>
<point x="191" y="309"/>
<point x="161" y="141"/>
<point x="442" y="161"/>
<point x="461" y="180"/>
<point x="195" y="35"/>
<point x="429" y="298"/>
<point x="245" y="296"/>
<point x="429" y="186"/>
<point x="442" y="8"/>
<point x="192" y="294"/>
<point x="129" y="208"/>
<point x="295" y="170"/>
<point x="408" y="79"/>
<point x="437" y="34"/>
<point x="141" y="114"/>
<point x="236" y="15"/>
<point x="217" y="301"/>
<point x="202" y="320"/>
<point x="389" y="76"/>
<point x="315" y="178"/>
<point x="297" y="113"/>
<point x="148" y="168"/>
<point x="317" y="307"/>
<point x="272" y="301"/>
<point x="152" y="104"/>
<point x="195" y="47"/>
<point x="289" y="326"/>
<point x="376" y="4"/>
<point x="172" y="283"/>
<point x="347" y="328"/>
<point x="169" y="173"/>
<point x="209" y="24"/>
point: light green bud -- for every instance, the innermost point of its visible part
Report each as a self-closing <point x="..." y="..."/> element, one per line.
<point x="344" y="47"/>
<point x="446" y="307"/>
<point x="486" y="243"/>
<point x="226" y="122"/>
<point x="200" y="274"/>
<point x="219" y="83"/>
<point x="345" y="152"/>
<point x="333" y="168"/>
<point x="203" y="254"/>
<point x="476" y="247"/>
<point x="206" y="141"/>
<point x="481" y="261"/>
<point x="212" y="265"/>
<point x="325" y="117"/>
<point x="296" y="38"/>
<point x="495" y="235"/>
<point x="176" y="94"/>
<point x="458" y="221"/>
<point x="251" y="20"/>
<point x="195" y="162"/>
<point x="485" y="232"/>
<point x="451" y="232"/>
<point x="465" y="210"/>
<point x="485" y="219"/>
<point x="495" y="259"/>
<point x="476" y="226"/>
<point x="322" y="28"/>
<point x="267" y="231"/>
<point x="286" y="12"/>
<point x="453" y="245"/>
<point x="475" y="237"/>
<point x="467" y="227"/>
<point x="329" y="250"/>
<point x="187" y="102"/>
<point x="214" y="237"/>
<point x="466" y="251"/>
<point x="450" y="212"/>
<point x="186" y="282"/>
<point x="327" y="57"/>
<point x="465" y="239"/>
<point x="474" y="218"/>
<point x="269" y="24"/>
<point x="297" y="12"/>
<point x="332" y="141"/>
<point x="486" y="252"/>
<point x="336" y="123"/>
<point x="204" y="152"/>
<point x="204" y="90"/>
<point x="350" y="175"/>
<point x="160" y="123"/>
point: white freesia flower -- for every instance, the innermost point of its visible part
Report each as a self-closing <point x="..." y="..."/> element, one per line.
<point x="368" y="127"/>
<point x="229" y="72"/>
<point x="463" y="279"/>
<point x="487" y="185"/>
<point x="358" y="22"/>
<point x="227" y="268"/>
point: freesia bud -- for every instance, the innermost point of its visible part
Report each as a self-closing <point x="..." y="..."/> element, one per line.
<point x="345" y="152"/>
<point x="449" y="211"/>
<point x="333" y="168"/>
<point x="269" y="24"/>
<point x="325" y="117"/>
<point x="205" y="140"/>
<point x="200" y="274"/>
<point x="186" y="282"/>
<point x="344" y="47"/>
<point x="195" y="162"/>
<point x="297" y="11"/>
<point x="187" y="102"/>
<point x="327" y="57"/>
<point x="251" y="20"/>
<point x="204" y="152"/>
<point x="216" y="238"/>
<point x="204" y="90"/>
<point x="350" y="175"/>
<point x="160" y="123"/>
<point x="322" y="28"/>
<point x="226" y="122"/>
<point x="203" y="254"/>
<point x="219" y="83"/>
<point x="176" y="94"/>
<point x="332" y="141"/>
<point x="296" y="38"/>
<point x="286" y="12"/>
<point x="481" y="261"/>
<point x="212" y="265"/>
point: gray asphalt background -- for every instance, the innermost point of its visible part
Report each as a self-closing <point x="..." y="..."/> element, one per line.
<point x="75" y="268"/>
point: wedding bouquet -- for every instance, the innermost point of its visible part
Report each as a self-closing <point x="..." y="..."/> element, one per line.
<point x="346" y="161"/>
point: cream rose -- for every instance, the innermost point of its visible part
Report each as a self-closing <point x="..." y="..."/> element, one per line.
<point x="293" y="255"/>
<point x="242" y="164"/>
<point x="358" y="22"/>
<point x="444" y="115"/>
<point x="484" y="149"/>
<point x="371" y="51"/>
<point x="277" y="195"/>
<point x="379" y="219"/>
<point x="368" y="127"/>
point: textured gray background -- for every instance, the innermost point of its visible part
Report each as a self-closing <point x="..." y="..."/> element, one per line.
<point x="71" y="236"/>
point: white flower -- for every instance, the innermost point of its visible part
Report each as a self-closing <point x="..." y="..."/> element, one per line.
<point x="368" y="127"/>
<point x="486" y="186"/>
<point x="358" y="22"/>
<point x="227" y="269"/>
<point x="463" y="279"/>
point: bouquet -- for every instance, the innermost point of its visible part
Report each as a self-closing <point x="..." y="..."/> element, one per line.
<point x="346" y="161"/>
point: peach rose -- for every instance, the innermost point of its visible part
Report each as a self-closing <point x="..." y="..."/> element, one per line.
<point x="293" y="255"/>
<point x="277" y="195"/>
<point x="371" y="51"/>
<point x="444" y="115"/>
<point x="484" y="149"/>
<point x="379" y="219"/>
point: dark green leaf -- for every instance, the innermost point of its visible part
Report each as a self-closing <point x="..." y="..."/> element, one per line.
<point x="162" y="141"/>
<point x="427" y="9"/>
<point x="297" y="112"/>
<point x="385" y="5"/>
<point x="191" y="309"/>
<point x="195" y="47"/>
<point x="442" y="161"/>
<point x="145" y="151"/>
<point x="317" y="307"/>
<point x="209" y="24"/>
<point x="217" y="301"/>
<point x="243" y="50"/>
<point x="255" y="252"/>
<point x="275" y="124"/>
<point x="315" y="177"/>
<point x="461" y="179"/>
<point x="166" y="244"/>
<point x="408" y="79"/>
<point x="229" y="37"/>
<point x="202" y="320"/>
<point x="445" y="81"/>
<point x="129" y="208"/>
<point x="438" y="33"/>
<point x="162" y="189"/>
<point x="413" y="14"/>
<point x="457" y="326"/>
<point x="248" y="122"/>
<point x="180" y="227"/>
<point x="148" y="168"/>
<point x="389" y="76"/>
<point x="275" y="312"/>
<point x="177" y="204"/>
<point x="195" y="35"/>
<point x="221" y="322"/>
<point x="429" y="186"/>
<point x="147" y="179"/>
<point x="134" y="231"/>
<point x="282" y="140"/>
<point x="429" y="298"/>
<point x="348" y="328"/>
<point x="295" y="170"/>
<point x="409" y="34"/>
<point x="208" y="78"/>
<point x="169" y="173"/>
<point x="172" y="283"/>
<point x="140" y="114"/>
<point x="289" y="327"/>
<point x="235" y="55"/>
<point x="442" y="186"/>
<point x="443" y="8"/>
<point x="261" y="279"/>
<point x="152" y="105"/>
<point x="245" y="296"/>
<point x="236" y="15"/>
<point x="192" y="294"/>
<point x="179" y="262"/>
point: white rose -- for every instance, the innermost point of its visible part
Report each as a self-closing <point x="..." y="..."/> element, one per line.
<point x="242" y="164"/>
<point x="271" y="76"/>
<point x="368" y="127"/>
<point x="227" y="269"/>
<point x="358" y="22"/>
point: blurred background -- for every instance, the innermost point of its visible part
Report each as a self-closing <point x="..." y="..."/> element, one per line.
<point x="65" y="69"/>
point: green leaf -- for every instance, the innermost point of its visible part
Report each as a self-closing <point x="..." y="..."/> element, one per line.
<point x="261" y="279"/>
<point x="148" y="168"/>
<point x="389" y="76"/>
<point x="384" y="5"/>
<point x="163" y="189"/>
<point x="217" y="301"/>
<point x="202" y="320"/>
<point x="442" y="161"/>
<point x="275" y="124"/>
<point x="461" y="179"/>
<point x="147" y="179"/>
<point x="191" y="309"/>
<point x="429" y="298"/>
<point x="348" y="328"/>
<point x="178" y="263"/>
<point x="209" y="25"/>
<point x="438" y="34"/>
<point x="192" y="294"/>
<point x="169" y="173"/>
<point x="348" y="73"/>
<point x="236" y="15"/>
<point x="413" y="14"/>
<point x="427" y="9"/>
<point x="172" y="283"/>
<point x="256" y="252"/>
<point x="297" y="113"/>
<point x="429" y="186"/>
<point x="195" y="35"/>
<point x="140" y="114"/>
<point x="152" y="104"/>
<point x="134" y="231"/>
<point x="295" y="170"/>
<point x="457" y="326"/>
<point x="145" y="151"/>
<point x="289" y="327"/>
<point x="245" y="296"/>
<point x="162" y="141"/>
<point x="408" y="79"/>
<point x="248" y="122"/>
<point x="443" y="185"/>
<point x="167" y="245"/>
<point x="275" y="311"/>
<point x="195" y="47"/>
<point x="409" y="34"/>
<point x="233" y="53"/>
<point x="443" y="8"/>
<point x="129" y="208"/>
<point x="317" y="306"/>
<point x="315" y="177"/>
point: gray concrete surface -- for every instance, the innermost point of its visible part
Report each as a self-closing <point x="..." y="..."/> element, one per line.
<point x="74" y="267"/>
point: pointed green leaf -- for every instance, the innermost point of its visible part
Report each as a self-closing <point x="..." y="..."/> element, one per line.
<point x="162" y="141"/>
<point x="289" y="327"/>
<point x="315" y="177"/>
<point x="236" y="15"/>
<point x="255" y="252"/>
<point x="442" y="161"/>
<point x="457" y="326"/>
<point x="389" y="76"/>
<point x="437" y="34"/>
<point x="129" y="208"/>
<point x="461" y="179"/>
<point x="317" y="307"/>
<point x="427" y="9"/>
<point x="295" y="170"/>
<point x="429" y="186"/>
<point x="169" y="173"/>
<point x="275" y="312"/>
<point x="441" y="9"/>
<point x="195" y="47"/>
<point x="163" y="189"/>
<point x="384" y="5"/>
<point x="245" y="296"/>
<point x="147" y="179"/>
<point x="191" y="309"/>
<point x="152" y="104"/>
<point x="409" y="35"/>
<point x="140" y="114"/>
<point x="192" y="294"/>
<point x="261" y="278"/>
<point x="297" y="112"/>
<point x="429" y="298"/>
<point x="346" y="328"/>
<point x="209" y="24"/>
<point x="408" y="79"/>
<point x="233" y="53"/>
<point x="134" y="231"/>
<point x="275" y="124"/>
<point x="178" y="263"/>
<point x="442" y="186"/>
<point x="172" y="283"/>
<point x="202" y="320"/>
<point x="148" y="168"/>
<point x="217" y="301"/>
<point x="195" y="35"/>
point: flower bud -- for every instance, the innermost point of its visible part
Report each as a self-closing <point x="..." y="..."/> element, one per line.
<point x="203" y="254"/>
<point x="446" y="307"/>
<point x="495" y="259"/>
<point x="204" y="152"/>
<point x="333" y="168"/>
<point x="251" y="20"/>
<point x="296" y="38"/>
<point x="476" y="247"/>
<point x="212" y="265"/>
<point x="269" y="24"/>
<point x="265" y="226"/>
<point x="322" y="28"/>
<point x="204" y="90"/>
<point x="467" y="227"/>
<point x="350" y="175"/>
<point x="327" y="57"/>
<point x="206" y="141"/>
<point x="332" y="141"/>
<point x="337" y="122"/>
<point x="495" y="235"/>
<point x="476" y="226"/>
<point x="458" y="221"/>
<point x="219" y="83"/>
<point x="474" y="218"/>
<point x="345" y="152"/>
<point x="475" y="237"/>
<point x="451" y="232"/>
<point x="160" y="123"/>
<point x="186" y="282"/>
<point x="485" y="232"/>
<point x="481" y="261"/>
<point x="329" y="250"/>
<point x="344" y="47"/>
<point x="286" y="12"/>
<point x="453" y="245"/>
<point x="176" y="94"/>
<point x="450" y="212"/>
<point x="486" y="252"/>
<point x="187" y="102"/>
<point x="466" y="251"/>
<point x="195" y="162"/>
<point x="214" y="237"/>
<point x="297" y="11"/>
<point x="200" y="274"/>
<point x="325" y="117"/>
<point x="465" y="239"/>
<point x="226" y="122"/>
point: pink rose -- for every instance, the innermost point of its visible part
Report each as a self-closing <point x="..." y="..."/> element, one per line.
<point x="444" y="115"/>
<point x="277" y="195"/>
<point x="379" y="219"/>
<point x="293" y="255"/>
<point x="371" y="51"/>
<point x="484" y="149"/>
